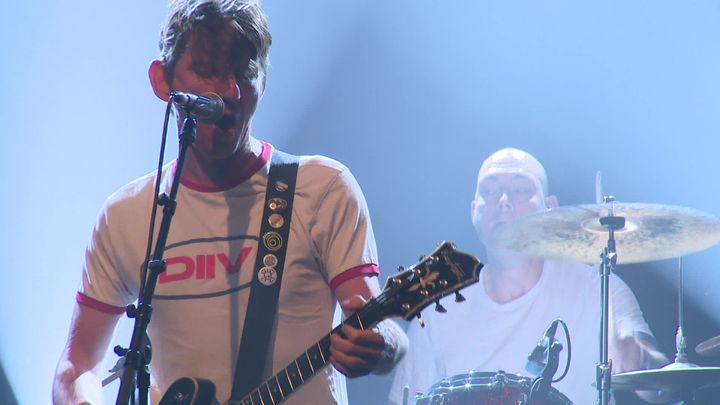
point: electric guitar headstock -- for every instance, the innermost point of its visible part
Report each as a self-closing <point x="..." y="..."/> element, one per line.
<point x="444" y="271"/>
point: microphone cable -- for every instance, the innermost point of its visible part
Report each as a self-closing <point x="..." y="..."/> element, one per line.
<point x="540" y="386"/>
<point x="153" y="214"/>
<point x="569" y="351"/>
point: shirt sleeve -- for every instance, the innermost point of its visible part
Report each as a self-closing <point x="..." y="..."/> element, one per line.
<point x="626" y="313"/>
<point x="105" y="285"/>
<point x="627" y="347"/>
<point x="341" y="229"/>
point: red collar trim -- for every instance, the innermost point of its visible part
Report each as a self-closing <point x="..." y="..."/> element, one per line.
<point x="241" y="178"/>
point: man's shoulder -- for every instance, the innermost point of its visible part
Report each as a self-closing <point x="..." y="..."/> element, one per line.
<point x="578" y="275"/>
<point x="570" y="267"/>
<point x="319" y="164"/>
<point x="133" y="192"/>
<point x="318" y="173"/>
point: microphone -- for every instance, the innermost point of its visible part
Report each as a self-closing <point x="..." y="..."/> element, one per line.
<point x="207" y="108"/>
<point x="538" y="357"/>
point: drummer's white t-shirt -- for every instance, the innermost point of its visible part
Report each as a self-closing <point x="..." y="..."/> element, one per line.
<point x="482" y="335"/>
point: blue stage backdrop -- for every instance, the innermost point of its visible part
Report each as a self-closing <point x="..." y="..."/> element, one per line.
<point x="410" y="94"/>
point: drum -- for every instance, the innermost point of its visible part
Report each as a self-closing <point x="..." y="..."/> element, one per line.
<point x="476" y="388"/>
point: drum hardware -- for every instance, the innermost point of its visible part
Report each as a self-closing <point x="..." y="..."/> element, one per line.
<point x="603" y="370"/>
<point x="542" y="383"/>
<point x="544" y="360"/>
<point x="635" y="233"/>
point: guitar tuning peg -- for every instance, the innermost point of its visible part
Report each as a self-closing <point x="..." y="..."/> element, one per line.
<point x="401" y="269"/>
<point x="459" y="297"/>
<point x="422" y="258"/>
<point x="420" y="320"/>
<point x="440" y="308"/>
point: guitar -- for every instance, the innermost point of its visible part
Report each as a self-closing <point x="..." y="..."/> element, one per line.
<point x="444" y="271"/>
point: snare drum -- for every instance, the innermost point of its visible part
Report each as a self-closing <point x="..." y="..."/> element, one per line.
<point x="477" y="388"/>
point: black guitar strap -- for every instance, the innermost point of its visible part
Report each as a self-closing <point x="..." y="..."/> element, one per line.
<point x="267" y="276"/>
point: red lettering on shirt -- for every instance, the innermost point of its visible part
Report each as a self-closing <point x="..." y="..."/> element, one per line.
<point x="232" y="268"/>
<point x="202" y="266"/>
<point x="186" y="265"/>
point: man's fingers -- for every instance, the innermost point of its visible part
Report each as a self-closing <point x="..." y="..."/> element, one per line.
<point x="356" y="347"/>
<point x="366" y="338"/>
<point x="351" y="366"/>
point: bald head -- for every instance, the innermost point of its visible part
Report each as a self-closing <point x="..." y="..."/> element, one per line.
<point x="514" y="161"/>
<point x="511" y="184"/>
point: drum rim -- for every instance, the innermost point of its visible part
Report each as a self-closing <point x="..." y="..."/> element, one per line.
<point x="493" y="379"/>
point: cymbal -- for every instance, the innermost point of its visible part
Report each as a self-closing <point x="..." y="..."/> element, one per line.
<point x="675" y="377"/>
<point x="574" y="233"/>
<point x="710" y="347"/>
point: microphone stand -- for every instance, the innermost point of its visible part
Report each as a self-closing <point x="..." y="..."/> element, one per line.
<point x="541" y="384"/>
<point x="137" y="357"/>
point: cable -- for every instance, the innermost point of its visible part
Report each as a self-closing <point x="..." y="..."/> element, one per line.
<point x="569" y="351"/>
<point x="151" y="230"/>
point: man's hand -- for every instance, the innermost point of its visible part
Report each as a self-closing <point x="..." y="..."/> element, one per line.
<point x="356" y="352"/>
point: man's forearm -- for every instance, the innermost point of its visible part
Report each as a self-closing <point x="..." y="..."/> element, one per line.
<point x="73" y="389"/>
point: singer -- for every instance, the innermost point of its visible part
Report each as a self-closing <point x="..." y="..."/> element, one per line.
<point x="198" y="318"/>
<point x="505" y="314"/>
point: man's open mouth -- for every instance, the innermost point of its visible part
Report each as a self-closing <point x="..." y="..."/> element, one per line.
<point x="226" y="122"/>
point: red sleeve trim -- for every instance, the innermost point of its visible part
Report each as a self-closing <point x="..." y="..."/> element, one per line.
<point x="100" y="306"/>
<point x="364" y="270"/>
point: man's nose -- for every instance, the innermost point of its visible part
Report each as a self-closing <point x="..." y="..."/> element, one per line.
<point x="227" y="88"/>
<point x="504" y="201"/>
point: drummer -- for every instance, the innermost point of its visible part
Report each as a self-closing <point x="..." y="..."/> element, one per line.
<point x="517" y="298"/>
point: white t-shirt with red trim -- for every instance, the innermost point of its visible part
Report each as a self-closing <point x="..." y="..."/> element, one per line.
<point x="485" y="336"/>
<point x="200" y="300"/>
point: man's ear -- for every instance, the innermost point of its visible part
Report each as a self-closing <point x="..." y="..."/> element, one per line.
<point x="158" y="80"/>
<point x="551" y="201"/>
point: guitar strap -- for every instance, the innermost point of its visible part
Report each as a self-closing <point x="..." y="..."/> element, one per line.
<point x="267" y="276"/>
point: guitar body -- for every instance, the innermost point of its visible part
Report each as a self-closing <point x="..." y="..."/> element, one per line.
<point x="189" y="391"/>
<point x="443" y="272"/>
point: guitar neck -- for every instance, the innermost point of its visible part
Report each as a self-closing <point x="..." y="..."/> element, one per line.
<point x="277" y="388"/>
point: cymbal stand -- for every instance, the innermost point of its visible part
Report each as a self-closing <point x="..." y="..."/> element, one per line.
<point x="680" y="342"/>
<point x="681" y="360"/>
<point x="608" y="262"/>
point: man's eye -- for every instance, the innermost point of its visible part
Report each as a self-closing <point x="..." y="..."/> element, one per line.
<point x="523" y="189"/>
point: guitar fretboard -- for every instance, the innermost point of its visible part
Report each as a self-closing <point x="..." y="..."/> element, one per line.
<point x="276" y="389"/>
